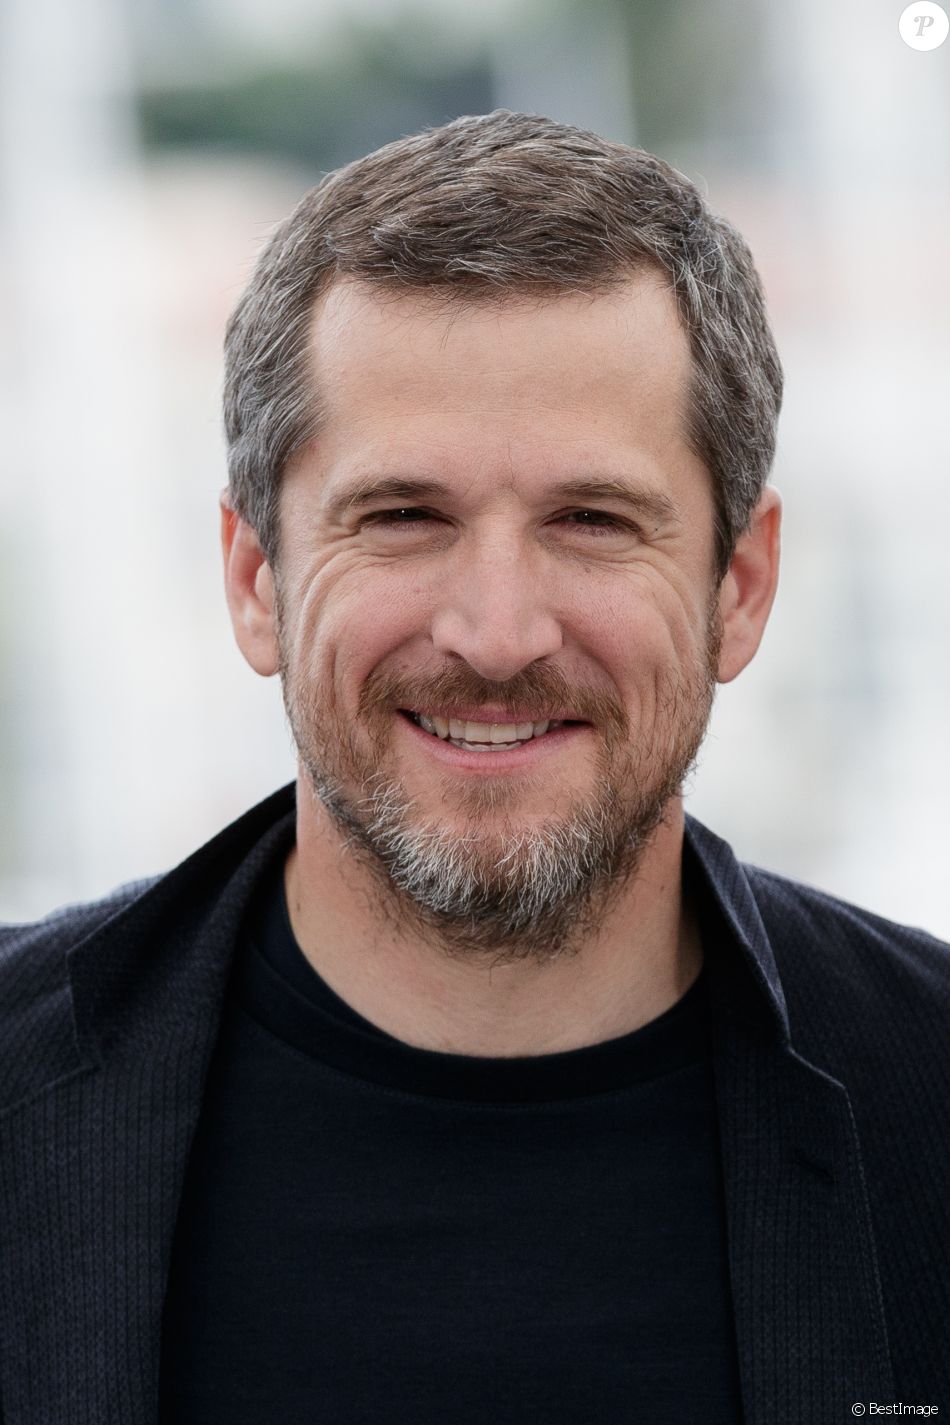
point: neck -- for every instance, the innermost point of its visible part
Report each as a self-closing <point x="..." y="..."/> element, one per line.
<point x="632" y="965"/>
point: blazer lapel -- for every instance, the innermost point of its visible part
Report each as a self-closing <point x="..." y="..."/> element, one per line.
<point x="91" y="1167"/>
<point x="92" y="1173"/>
<point x="809" y="1313"/>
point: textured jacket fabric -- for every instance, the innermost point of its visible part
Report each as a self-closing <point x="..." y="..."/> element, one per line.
<point x="830" y="1037"/>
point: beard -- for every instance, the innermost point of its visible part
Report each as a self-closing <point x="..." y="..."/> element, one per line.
<point x="502" y="891"/>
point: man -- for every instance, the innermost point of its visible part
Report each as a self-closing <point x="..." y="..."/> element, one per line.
<point x="468" y="1079"/>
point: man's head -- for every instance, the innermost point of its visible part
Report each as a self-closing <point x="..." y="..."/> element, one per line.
<point x="483" y="210"/>
<point x="554" y="541"/>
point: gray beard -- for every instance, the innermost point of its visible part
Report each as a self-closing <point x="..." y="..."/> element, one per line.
<point x="503" y="893"/>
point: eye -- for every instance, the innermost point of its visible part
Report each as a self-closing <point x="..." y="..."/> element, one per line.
<point x="389" y="516"/>
<point x="612" y="525"/>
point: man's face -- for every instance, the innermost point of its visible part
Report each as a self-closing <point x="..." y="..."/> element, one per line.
<point x="498" y="593"/>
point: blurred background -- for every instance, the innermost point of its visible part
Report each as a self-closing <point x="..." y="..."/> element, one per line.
<point x="148" y="149"/>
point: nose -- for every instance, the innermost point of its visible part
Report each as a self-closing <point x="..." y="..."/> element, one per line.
<point x="496" y="613"/>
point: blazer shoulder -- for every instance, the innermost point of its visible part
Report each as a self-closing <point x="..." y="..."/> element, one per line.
<point x="802" y="907"/>
<point x="38" y="1030"/>
<point x="850" y="960"/>
<point x="30" y="951"/>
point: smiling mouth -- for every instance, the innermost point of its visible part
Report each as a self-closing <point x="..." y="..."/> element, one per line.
<point x="485" y="745"/>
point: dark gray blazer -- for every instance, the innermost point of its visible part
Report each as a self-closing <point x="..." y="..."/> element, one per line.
<point x="830" y="1029"/>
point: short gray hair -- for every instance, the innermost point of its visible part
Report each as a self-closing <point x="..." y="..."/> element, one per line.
<point x="491" y="207"/>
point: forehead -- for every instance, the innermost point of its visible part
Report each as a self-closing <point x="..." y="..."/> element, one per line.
<point x="373" y="350"/>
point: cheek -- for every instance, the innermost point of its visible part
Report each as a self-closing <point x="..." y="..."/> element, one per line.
<point x="358" y="636"/>
<point x="650" y="630"/>
<point x="334" y="603"/>
<point x="657" y="650"/>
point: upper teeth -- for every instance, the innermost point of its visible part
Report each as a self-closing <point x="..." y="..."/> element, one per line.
<point x="483" y="731"/>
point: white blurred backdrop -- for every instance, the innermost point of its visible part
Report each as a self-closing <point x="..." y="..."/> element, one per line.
<point x="147" y="150"/>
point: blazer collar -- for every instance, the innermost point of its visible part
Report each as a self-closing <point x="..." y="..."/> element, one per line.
<point x="116" y="990"/>
<point x="188" y="921"/>
<point x="720" y="883"/>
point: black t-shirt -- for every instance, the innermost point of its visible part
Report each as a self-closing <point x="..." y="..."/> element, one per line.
<point x="371" y="1232"/>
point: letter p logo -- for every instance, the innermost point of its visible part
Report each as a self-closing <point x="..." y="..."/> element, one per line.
<point x="924" y="25"/>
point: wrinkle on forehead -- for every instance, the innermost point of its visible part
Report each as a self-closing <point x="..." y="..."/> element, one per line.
<point x="376" y="353"/>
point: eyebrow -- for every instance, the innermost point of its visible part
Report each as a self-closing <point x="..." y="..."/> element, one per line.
<point x="649" y="504"/>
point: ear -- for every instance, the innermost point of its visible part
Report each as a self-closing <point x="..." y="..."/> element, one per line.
<point x="249" y="585"/>
<point x="748" y="589"/>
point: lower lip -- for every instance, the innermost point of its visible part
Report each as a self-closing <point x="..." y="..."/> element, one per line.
<point x="527" y="755"/>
